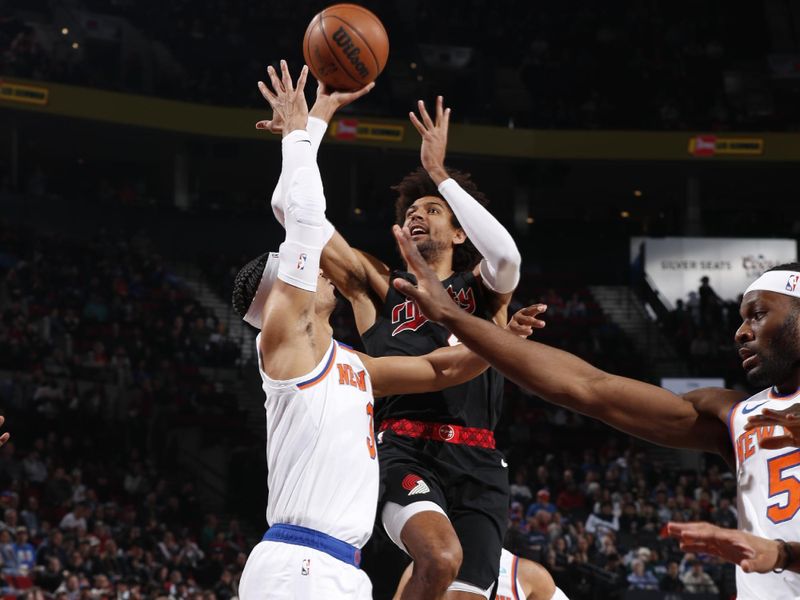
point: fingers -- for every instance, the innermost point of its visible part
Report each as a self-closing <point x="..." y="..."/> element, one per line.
<point x="286" y="78"/>
<point x="405" y="287"/>
<point x="262" y="87"/>
<point x="777" y="442"/>
<point x="301" y="81"/>
<point x="276" y="83"/>
<point x="409" y="251"/>
<point x="263" y="124"/>
<point x="4" y="438"/>
<point x="533" y="309"/>
<point x="267" y="93"/>
<point x="419" y="126"/>
<point x="439" y="110"/>
<point x="426" y="118"/>
<point x="353" y="96"/>
<point x="766" y="420"/>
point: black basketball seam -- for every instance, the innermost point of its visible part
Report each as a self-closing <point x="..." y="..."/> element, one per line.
<point x="333" y="53"/>
<point x="378" y="67"/>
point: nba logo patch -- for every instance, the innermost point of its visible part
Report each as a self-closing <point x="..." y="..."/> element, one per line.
<point x="305" y="569"/>
<point x="791" y="283"/>
<point x="301" y="261"/>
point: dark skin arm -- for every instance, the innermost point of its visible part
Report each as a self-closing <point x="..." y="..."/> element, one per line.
<point x="640" y="409"/>
<point x="754" y="554"/>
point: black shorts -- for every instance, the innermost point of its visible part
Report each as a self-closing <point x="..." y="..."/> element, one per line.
<point x="469" y="483"/>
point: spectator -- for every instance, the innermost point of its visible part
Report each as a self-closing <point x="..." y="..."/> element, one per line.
<point x="639" y="579"/>
<point x="697" y="581"/>
<point x="671" y="581"/>
<point x="604" y="521"/>
<point x="542" y="503"/>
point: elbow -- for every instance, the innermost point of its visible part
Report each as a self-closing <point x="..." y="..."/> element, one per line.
<point x="580" y="395"/>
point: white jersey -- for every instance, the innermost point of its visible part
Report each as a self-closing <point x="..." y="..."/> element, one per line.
<point x="508" y="586"/>
<point x="769" y="493"/>
<point x="321" y="453"/>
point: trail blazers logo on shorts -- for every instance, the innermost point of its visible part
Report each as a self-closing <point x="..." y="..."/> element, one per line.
<point x="415" y="485"/>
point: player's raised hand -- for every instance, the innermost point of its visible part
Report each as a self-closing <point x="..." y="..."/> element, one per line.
<point x="429" y="294"/>
<point x="328" y="102"/>
<point x="434" y="138"/>
<point x="752" y="553"/>
<point x="788" y="418"/>
<point x="525" y="320"/>
<point x="288" y="101"/>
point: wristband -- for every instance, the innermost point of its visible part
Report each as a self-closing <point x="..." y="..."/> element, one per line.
<point x="787" y="550"/>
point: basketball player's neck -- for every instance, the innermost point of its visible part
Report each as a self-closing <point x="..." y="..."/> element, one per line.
<point x="440" y="261"/>
<point x="790" y="385"/>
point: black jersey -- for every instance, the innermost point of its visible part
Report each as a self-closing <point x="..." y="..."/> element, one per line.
<point x="402" y="330"/>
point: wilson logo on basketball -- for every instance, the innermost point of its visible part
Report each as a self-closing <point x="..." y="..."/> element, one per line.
<point x="415" y="485"/>
<point x="350" y="50"/>
<point x="408" y="317"/>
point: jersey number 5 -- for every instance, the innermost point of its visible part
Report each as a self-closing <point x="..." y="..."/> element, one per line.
<point x="371" y="436"/>
<point x="779" y="483"/>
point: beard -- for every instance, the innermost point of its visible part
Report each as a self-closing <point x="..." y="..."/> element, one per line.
<point x="780" y="360"/>
<point x="431" y="249"/>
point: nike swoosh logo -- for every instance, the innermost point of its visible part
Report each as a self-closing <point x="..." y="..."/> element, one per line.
<point x="748" y="409"/>
<point x="503" y="463"/>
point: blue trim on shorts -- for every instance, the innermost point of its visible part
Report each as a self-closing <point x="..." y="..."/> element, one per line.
<point x="310" y="538"/>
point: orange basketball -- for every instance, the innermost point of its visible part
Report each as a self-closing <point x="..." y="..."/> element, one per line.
<point x="346" y="47"/>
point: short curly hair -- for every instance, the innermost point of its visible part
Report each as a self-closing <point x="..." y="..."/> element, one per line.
<point x="245" y="285"/>
<point x="419" y="184"/>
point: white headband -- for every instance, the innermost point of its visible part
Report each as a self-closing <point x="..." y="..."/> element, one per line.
<point x="255" y="313"/>
<point x="780" y="282"/>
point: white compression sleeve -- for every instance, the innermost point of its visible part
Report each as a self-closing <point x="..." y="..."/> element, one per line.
<point x="501" y="259"/>
<point x="316" y="130"/>
<point x="306" y="233"/>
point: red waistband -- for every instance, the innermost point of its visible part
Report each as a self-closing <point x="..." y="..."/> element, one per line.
<point x="441" y="432"/>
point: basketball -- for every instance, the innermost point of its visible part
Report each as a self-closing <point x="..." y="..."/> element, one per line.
<point x="346" y="47"/>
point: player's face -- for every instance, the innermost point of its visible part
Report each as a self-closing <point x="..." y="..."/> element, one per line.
<point x="768" y="339"/>
<point x="430" y="222"/>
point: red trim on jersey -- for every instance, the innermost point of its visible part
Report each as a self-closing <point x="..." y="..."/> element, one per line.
<point x="441" y="432"/>
<point x="772" y="394"/>
<point x="514" y="584"/>
<point x="315" y="380"/>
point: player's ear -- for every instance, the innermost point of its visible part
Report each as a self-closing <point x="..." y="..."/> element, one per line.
<point x="459" y="237"/>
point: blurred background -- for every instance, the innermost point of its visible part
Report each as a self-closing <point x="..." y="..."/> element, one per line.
<point x="632" y="149"/>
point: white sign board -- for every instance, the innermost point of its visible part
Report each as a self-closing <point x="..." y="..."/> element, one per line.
<point x="683" y="385"/>
<point x="675" y="265"/>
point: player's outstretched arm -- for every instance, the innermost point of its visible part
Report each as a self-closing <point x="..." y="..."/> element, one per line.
<point x="444" y="367"/>
<point x="754" y="554"/>
<point x="500" y="268"/>
<point x="286" y="346"/>
<point x="638" y="408"/>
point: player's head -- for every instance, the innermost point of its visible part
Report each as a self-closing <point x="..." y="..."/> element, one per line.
<point x="419" y="205"/>
<point x="769" y="336"/>
<point x="254" y="281"/>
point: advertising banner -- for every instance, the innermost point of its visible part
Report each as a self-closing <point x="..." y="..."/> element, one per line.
<point x="676" y="265"/>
